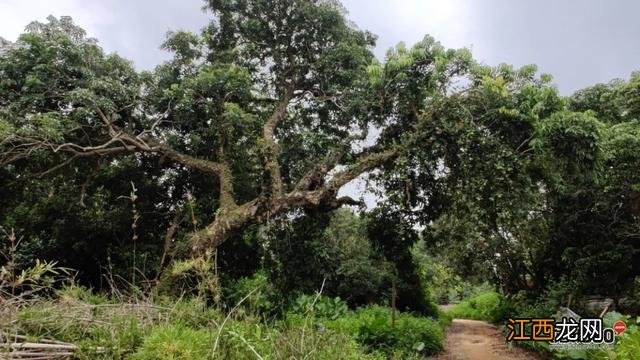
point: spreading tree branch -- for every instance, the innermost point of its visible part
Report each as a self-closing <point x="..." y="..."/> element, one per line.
<point x="273" y="183"/>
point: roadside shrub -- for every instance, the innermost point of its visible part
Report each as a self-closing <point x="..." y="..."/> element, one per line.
<point x="627" y="345"/>
<point x="522" y="306"/>
<point x="485" y="306"/>
<point x="444" y="319"/>
<point x="410" y="336"/>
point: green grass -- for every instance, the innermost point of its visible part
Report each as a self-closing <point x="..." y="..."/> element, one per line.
<point x="181" y="329"/>
<point x="410" y="336"/>
<point x="174" y="342"/>
<point x="483" y="306"/>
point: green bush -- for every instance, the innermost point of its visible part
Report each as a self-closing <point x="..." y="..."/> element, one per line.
<point x="175" y="342"/>
<point x="522" y="306"/>
<point x="410" y="336"/>
<point x="444" y="319"/>
<point x="627" y="345"/>
<point x="255" y="294"/>
<point x="486" y="306"/>
<point x="320" y="306"/>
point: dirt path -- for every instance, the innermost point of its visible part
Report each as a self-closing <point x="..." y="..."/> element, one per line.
<point x="478" y="340"/>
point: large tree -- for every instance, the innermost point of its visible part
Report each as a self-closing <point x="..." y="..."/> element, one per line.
<point x="527" y="188"/>
<point x="269" y="107"/>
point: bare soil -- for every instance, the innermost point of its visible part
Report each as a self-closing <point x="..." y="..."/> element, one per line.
<point x="479" y="340"/>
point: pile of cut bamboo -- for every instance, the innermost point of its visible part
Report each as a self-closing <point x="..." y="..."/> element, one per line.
<point x="18" y="347"/>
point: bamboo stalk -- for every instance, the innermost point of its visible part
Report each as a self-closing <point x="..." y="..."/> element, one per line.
<point x="49" y="355"/>
<point x="22" y="337"/>
<point x="42" y="346"/>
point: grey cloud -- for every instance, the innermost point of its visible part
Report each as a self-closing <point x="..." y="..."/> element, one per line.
<point x="579" y="42"/>
<point x="138" y="28"/>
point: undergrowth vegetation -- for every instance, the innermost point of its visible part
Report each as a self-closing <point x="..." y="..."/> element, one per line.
<point x="484" y="306"/>
<point x="193" y="312"/>
<point x="113" y="326"/>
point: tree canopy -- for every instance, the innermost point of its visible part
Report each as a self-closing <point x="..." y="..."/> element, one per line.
<point x="271" y="110"/>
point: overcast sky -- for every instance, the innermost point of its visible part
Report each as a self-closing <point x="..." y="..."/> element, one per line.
<point x="579" y="42"/>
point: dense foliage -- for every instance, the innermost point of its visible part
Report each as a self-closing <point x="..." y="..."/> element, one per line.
<point x="218" y="178"/>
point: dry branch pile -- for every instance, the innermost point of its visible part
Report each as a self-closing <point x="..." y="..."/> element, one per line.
<point x="18" y="347"/>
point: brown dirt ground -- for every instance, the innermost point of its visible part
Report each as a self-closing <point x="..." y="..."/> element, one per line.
<point x="478" y="340"/>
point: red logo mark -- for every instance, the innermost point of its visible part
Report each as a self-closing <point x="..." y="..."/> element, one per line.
<point x="619" y="327"/>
